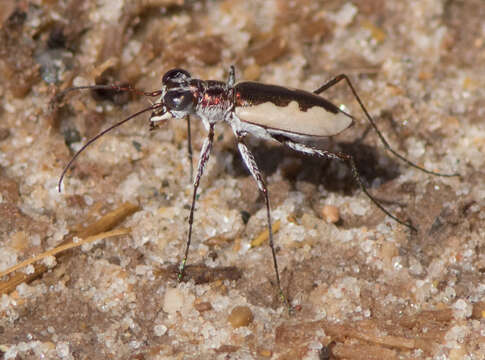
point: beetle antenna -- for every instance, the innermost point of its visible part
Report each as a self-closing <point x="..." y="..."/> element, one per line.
<point x="96" y="137"/>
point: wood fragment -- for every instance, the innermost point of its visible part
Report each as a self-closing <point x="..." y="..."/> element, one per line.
<point x="109" y="221"/>
<point x="478" y="310"/>
<point x="365" y="331"/>
<point x="103" y="225"/>
<point x="424" y="318"/>
<point x="201" y="274"/>
<point x="264" y="235"/>
<point x="363" y="352"/>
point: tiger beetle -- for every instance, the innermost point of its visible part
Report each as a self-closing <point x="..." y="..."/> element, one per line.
<point x="285" y="115"/>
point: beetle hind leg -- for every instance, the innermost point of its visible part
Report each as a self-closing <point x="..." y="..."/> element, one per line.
<point x="349" y="160"/>
<point x="388" y="147"/>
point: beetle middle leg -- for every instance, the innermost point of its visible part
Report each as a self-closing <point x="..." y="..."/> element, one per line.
<point x="231" y="81"/>
<point x="252" y="166"/>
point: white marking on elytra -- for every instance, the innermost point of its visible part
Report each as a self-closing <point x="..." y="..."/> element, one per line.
<point x="315" y="121"/>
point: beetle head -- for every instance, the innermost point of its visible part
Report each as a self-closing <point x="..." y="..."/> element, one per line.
<point x="178" y="98"/>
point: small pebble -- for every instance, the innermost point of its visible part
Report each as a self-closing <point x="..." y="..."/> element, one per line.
<point x="240" y="316"/>
<point x="4" y="133"/>
<point x="265" y="353"/>
<point x="160" y="330"/>
<point x="203" y="306"/>
<point x="330" y="214"/>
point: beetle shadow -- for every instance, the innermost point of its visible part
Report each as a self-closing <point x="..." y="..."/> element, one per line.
<point x="334" y="175"/>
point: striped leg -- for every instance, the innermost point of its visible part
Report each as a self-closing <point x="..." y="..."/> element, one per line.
<point x="231" y="81"/>
<point x="189" y="148"/>
<point x="351" y="163"/>
<point x="250" y="162"/>
<point x="341" y="77"/>
<point x="204" y="157"/>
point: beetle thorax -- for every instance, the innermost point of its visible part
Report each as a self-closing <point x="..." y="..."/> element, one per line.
<point x="215" y="101"/>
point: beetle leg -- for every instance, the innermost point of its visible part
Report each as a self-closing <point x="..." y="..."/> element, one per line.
<point x="204" y="157"/>
<point x="349" y="160"/>
<point x="189" y="148"/>
<point x="252" y="166"/>
<point x="232" y="76"/>
<point x="341" y="77"/>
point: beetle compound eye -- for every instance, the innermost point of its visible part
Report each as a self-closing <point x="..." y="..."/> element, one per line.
<point x="175" y="77"/>
<point x="178" y="100"/>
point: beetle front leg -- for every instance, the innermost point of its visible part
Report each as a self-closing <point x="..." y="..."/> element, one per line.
<point x="204" y="157"/>
<point x="189" y="148"/>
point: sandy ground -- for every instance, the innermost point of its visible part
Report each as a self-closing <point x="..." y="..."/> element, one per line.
<point x="362" y="286"/>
